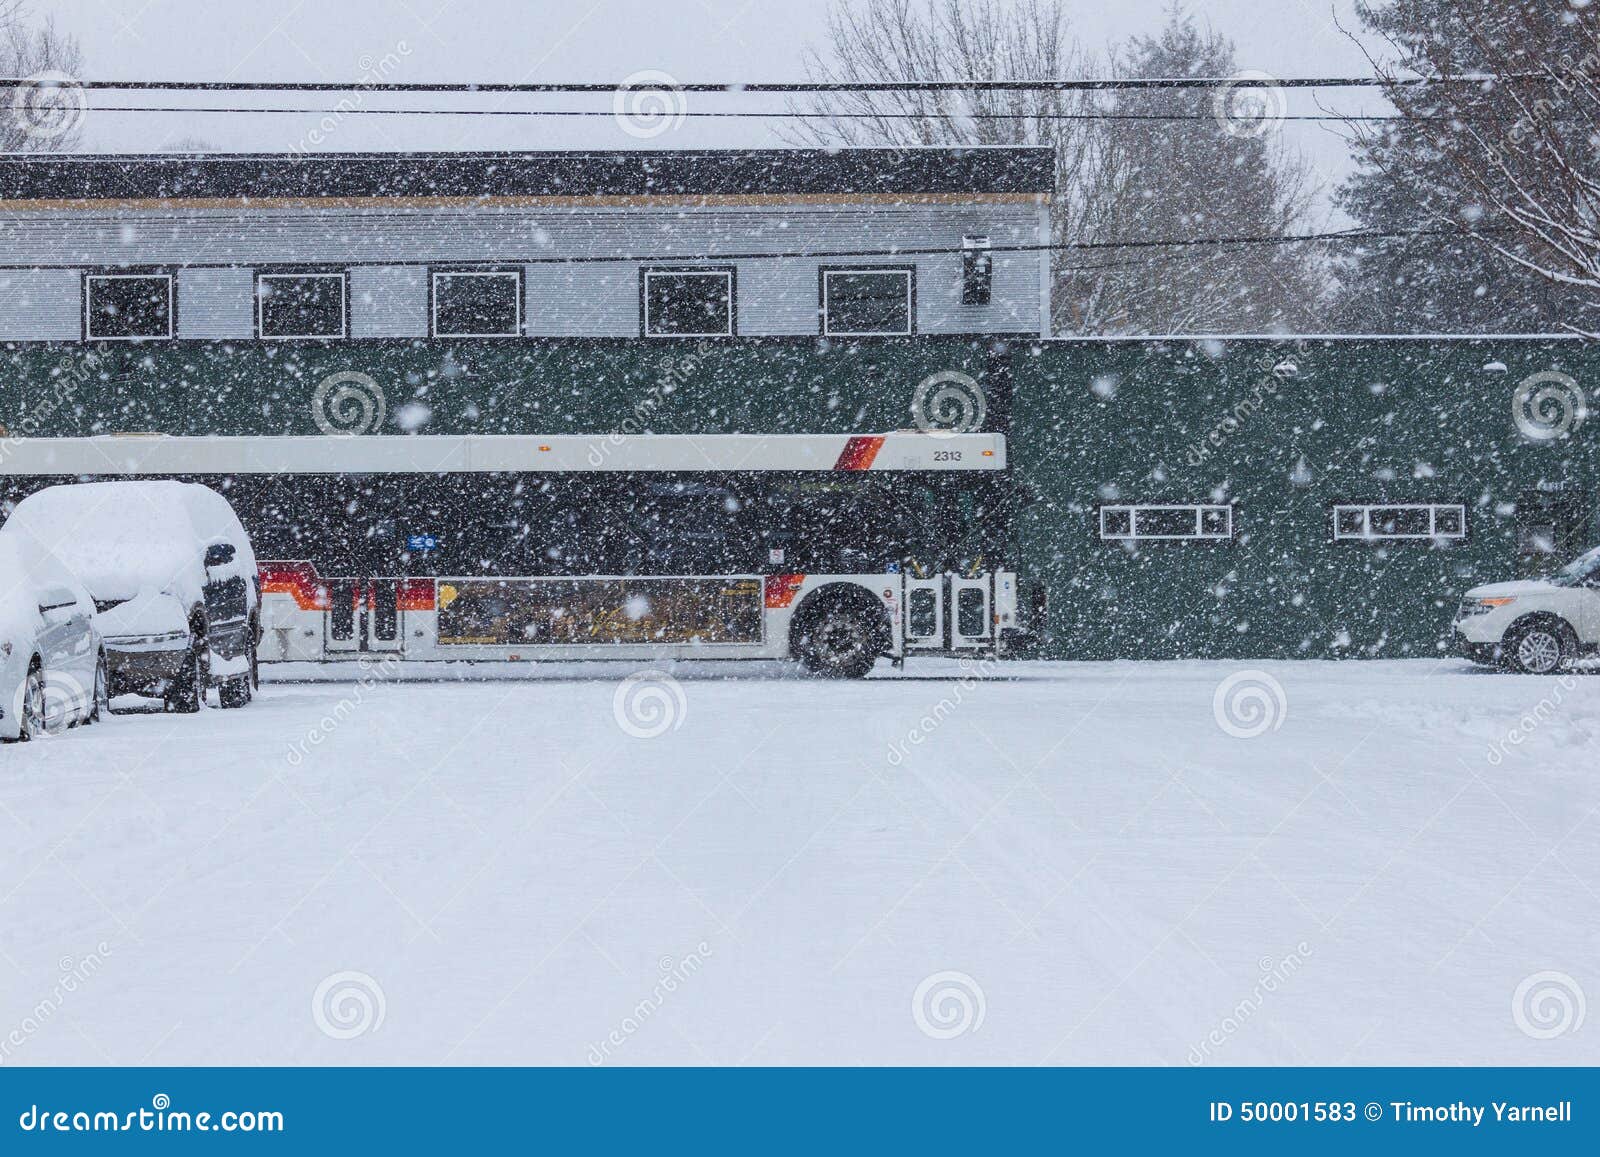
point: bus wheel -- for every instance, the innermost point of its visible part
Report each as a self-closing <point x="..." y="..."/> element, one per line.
<point x="840" y="635"/>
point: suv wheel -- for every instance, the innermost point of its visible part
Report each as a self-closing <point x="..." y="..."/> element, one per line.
<point x="188" y="691"/>
<point x="1540" y="648"/>
<point x="32" y="714"/>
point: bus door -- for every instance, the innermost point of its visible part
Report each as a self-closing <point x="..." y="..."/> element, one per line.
<point x="972" y="612"/>
<point x="949" y="613"/>
<point x="363" y="616"/>
<point x="924" y="604"/>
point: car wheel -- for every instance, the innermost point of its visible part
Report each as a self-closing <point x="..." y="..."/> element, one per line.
<point x="1541" y="648"/>
<point x="840" y="639"/>
<point x="237" y="691"/>
<point x="32" y="716"/>
<point x="187" y="694"/>
<point x="100" y="704"/>
<point x="255" y="659"/>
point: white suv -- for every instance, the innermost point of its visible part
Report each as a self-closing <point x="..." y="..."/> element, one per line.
<point x="1535" y="626"/>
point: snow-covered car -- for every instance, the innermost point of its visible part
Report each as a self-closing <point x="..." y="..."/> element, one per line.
<point x="1535" y="626"/>
<point x="52" y="665"/>
<point x="173" y="578"/>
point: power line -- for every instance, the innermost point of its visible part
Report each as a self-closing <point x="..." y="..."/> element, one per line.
<point x="787" y="114"/>
<point x="1076" y="246"/>
<point x="1075" y="85"/>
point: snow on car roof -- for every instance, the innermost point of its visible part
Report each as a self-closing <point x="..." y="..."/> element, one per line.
<point x="121" y="537"/>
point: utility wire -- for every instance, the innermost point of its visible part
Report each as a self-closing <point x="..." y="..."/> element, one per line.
<point x="777" y="115"/>
<point x="1078" y="85"/>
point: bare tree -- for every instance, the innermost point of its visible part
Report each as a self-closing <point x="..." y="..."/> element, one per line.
<point x="1115" y="179"/>
<point x="45" y="112"/>
<point x="1514" y="114"/>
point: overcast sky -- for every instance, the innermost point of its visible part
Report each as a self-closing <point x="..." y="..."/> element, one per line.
<point x="568" y="40"/>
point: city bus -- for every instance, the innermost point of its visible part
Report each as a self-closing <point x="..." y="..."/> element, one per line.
<point x="832" y="550"/>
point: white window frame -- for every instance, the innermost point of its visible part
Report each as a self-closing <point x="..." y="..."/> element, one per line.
<point x="88" y="306"/>
<point x="911" y="302"/>
<point x="1368" y="535"/>
<point x="301" y="275"/>
<point x="725" y="274"/>
<point x="433" y="321"/>
<point x="1134" y="509"/>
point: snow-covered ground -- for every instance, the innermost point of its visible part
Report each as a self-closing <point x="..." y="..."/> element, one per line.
<point x="1067" y="863"/>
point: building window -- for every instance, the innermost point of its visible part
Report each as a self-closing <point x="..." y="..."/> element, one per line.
<point x="868" y="302"/>
<point x="977" y="270"/>
<point x="303" y="305"/>
<point x="127" y="306"/>
<point x="1177" y="523"/>
<point x="1402" y="520"/>
<point x="688" y="302"/>
<point x="477" y="303"/>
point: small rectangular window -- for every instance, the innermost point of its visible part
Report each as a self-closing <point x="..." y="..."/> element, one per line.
<point x="477" y="303"/>
<point x="867" y="302"/>
<point x="303" y="305"/>
<point x="688" y="302"/>
<point x="1176" y="522"/>
<point x="1399" y="521"/>
<point x="127" y="306"/>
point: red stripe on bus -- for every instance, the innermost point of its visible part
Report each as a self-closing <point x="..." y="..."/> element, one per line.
<point x="415" y="595"/>
<point x="297" y="579"/>
<point x="781" y="589"/>
<point x="859" y="453"/>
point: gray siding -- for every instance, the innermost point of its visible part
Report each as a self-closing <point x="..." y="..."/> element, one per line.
<point x="216" y="303"/>
<point x="388" y="301"/>
<point x="41" y="305"/>
<point x="389" y="251"/>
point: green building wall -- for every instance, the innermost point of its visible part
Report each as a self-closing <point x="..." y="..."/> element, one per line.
<point x="1280" y="428"/>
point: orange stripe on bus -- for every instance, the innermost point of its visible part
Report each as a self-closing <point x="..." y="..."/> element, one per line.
<point x="859" y="453"/>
